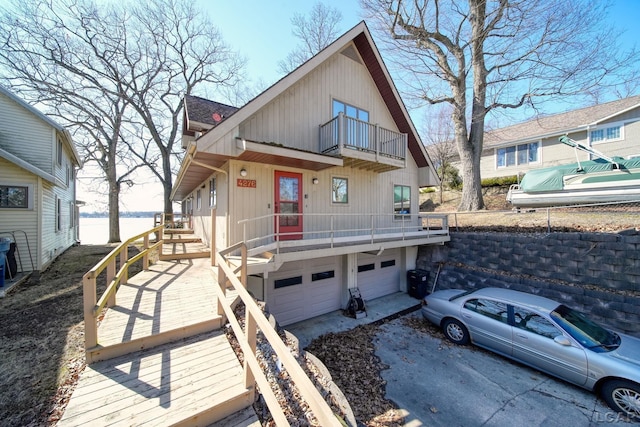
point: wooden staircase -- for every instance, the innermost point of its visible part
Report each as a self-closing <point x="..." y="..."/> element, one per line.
<point x="162" y="358"/>
<point x="181" y="243"/>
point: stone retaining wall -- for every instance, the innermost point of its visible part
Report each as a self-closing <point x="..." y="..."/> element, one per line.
<point x="597" y="273"/>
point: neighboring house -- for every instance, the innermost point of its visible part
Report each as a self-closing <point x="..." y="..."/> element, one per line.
<point x="38" y="165"/>
<point x="612" y="128"/>
<point x="319" y="175"/>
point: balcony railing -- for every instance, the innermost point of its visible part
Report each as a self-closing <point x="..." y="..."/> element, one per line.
<point x="331" y="230"/>
<point x="346" y="132"/>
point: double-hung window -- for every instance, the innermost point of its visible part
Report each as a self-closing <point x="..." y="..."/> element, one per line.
<point x="212" y="193"/>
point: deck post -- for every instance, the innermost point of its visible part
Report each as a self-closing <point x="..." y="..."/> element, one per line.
<point x="250" y="335"/>
<point x="145" y="258"/>
<point x="111" y="274"/>
<point x="89" y="302"/>
<point x="124" y="257"/>
<point x="222" y="282"/>
<point x="212" y="242"/>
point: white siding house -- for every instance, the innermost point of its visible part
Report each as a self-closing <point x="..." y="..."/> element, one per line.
<point x="38" y="165"/>
<point x="320" y="172"/>
<point x="612" y="128"/>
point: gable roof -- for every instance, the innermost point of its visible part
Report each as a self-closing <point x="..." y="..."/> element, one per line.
<point x="46" y="119"/>
<point x="559" y="124"/>
<point x="361" y="37"/>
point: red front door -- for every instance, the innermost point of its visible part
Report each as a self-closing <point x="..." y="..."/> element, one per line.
<point x="288" y="205"/>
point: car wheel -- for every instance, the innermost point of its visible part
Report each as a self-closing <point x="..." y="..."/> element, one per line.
<point x="455" y="331"/>
<point x="623" y="396"/>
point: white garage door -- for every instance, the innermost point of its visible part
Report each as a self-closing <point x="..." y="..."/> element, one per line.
<point x="305" y="289"/>
<point x="379" y="275"/>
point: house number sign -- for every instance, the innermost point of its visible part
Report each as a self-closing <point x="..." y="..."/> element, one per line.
<point x="247" y="183"/>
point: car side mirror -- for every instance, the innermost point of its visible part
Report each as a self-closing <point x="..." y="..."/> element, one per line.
<point x="562" y="340"/>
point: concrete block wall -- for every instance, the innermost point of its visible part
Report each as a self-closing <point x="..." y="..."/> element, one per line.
<point x="597" y="273"/>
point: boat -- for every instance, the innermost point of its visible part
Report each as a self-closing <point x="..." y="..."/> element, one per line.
<point x="602" y="180"/>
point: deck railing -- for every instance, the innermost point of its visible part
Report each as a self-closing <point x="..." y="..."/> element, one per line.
<point x="94" y="306"/>
<point x="171" y="220"/>
<point x="255" y="318"/>
<point x="332" y="228"/>
<point x="347" y="132"/>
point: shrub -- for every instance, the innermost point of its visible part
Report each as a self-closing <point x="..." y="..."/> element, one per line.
<point x="499" y="181"/>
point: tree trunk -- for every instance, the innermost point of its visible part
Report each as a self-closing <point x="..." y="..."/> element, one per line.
<point x="114" y="212"/>
<point x="167" y="183"/>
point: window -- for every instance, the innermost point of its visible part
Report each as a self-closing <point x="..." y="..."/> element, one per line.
<point x="323" y="275"/>
<point x="533" y="322"/>
<point x="494" y="309"/>
<point x="14" y="197"/>
<point x="401" y="200"/>
<point x="366" y="267"/>
<point x="349" y="111"/>
<point x="198" y="199"/>
<point x="72" y="215"/>
<point x="606" y="134"/>
<point x="291" y="281"/>
<point x="58" y="214"/>
<point x="390" y="263"/>
<point x="59" y="152"/>
<point x="339" y="190"/>
<point x="517" y="155"/>
<point x="68" y="175"/>
<point x="212" y="192"/>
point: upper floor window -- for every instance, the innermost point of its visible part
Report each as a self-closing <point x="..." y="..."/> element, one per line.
<point x="59" y="152"/>
<point x="350" y="111"/>
<point x="606" y="134"/>
<point x="212" y="192"/>
<point x="401" y="200"/>
<point x="517" y="155"/>
<point x="13" y="196"/>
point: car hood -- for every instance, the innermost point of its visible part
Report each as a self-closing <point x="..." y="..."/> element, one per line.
<point x="629" y="350"/>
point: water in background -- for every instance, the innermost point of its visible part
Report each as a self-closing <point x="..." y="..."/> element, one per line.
<point x="95" y="231"/>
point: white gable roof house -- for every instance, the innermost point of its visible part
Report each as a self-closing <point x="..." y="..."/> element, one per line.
<point x="38" y="165"/>
<point x="319" y="176"/>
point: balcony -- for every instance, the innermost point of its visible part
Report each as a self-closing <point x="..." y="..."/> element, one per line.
<point x="363" y="145"/>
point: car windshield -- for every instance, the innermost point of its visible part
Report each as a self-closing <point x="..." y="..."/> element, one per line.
<point x="584" y="330"/>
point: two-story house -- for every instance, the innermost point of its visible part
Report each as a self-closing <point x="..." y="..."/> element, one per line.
<point x="318" y="175"/>
<point x="613" y="128"/>
<point x="38" y="165"/>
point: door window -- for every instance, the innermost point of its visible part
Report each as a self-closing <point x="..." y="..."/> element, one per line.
<point x="493" y="309"/>
<point x="533" y="322"/>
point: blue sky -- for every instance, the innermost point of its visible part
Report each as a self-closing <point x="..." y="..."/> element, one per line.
<point x="261" y="32"/>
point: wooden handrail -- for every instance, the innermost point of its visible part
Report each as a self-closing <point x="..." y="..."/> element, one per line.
<point x="91" y="304"/>
<point x="255" y="318"/>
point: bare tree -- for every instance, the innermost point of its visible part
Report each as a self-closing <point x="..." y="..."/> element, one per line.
<point x="440" y="144"/>
<point x="116" y="74"/>
<point x="315" y="32"/>
<point x="483" y="55"/>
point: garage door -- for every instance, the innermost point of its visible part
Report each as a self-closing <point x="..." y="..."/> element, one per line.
<point x="305" y="289"/>
<point x="379" y="275"/>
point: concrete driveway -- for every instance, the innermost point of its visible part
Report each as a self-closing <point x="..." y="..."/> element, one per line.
<point x="441" y="384"/>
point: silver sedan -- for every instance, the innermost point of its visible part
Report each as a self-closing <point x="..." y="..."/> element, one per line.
<point x="545" y="335"/>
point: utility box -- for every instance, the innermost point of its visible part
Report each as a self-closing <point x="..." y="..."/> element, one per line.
<point x="417" y="281"/>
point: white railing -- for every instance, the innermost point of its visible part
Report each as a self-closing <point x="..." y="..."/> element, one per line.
<point x="346" y="132"/>
<point x="332" y="228"/>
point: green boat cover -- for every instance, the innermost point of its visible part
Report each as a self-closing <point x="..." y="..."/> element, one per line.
<point x="551" y="179"/>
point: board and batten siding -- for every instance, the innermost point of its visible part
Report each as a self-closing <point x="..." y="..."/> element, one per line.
<point x="15" y="221"/>
<point x="26" y="136"/>
<point x="294" y="117"/>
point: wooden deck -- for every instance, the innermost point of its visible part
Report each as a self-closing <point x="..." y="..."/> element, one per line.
<point x="162" y="358"/>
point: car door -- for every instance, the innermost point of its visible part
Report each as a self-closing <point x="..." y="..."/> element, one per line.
<point x="534" y="344"/>
<point x="488" y="323"/>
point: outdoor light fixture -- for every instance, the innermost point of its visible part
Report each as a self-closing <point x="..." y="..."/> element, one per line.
<point x="315" y="180"/>
<point x="243" y="172"/>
